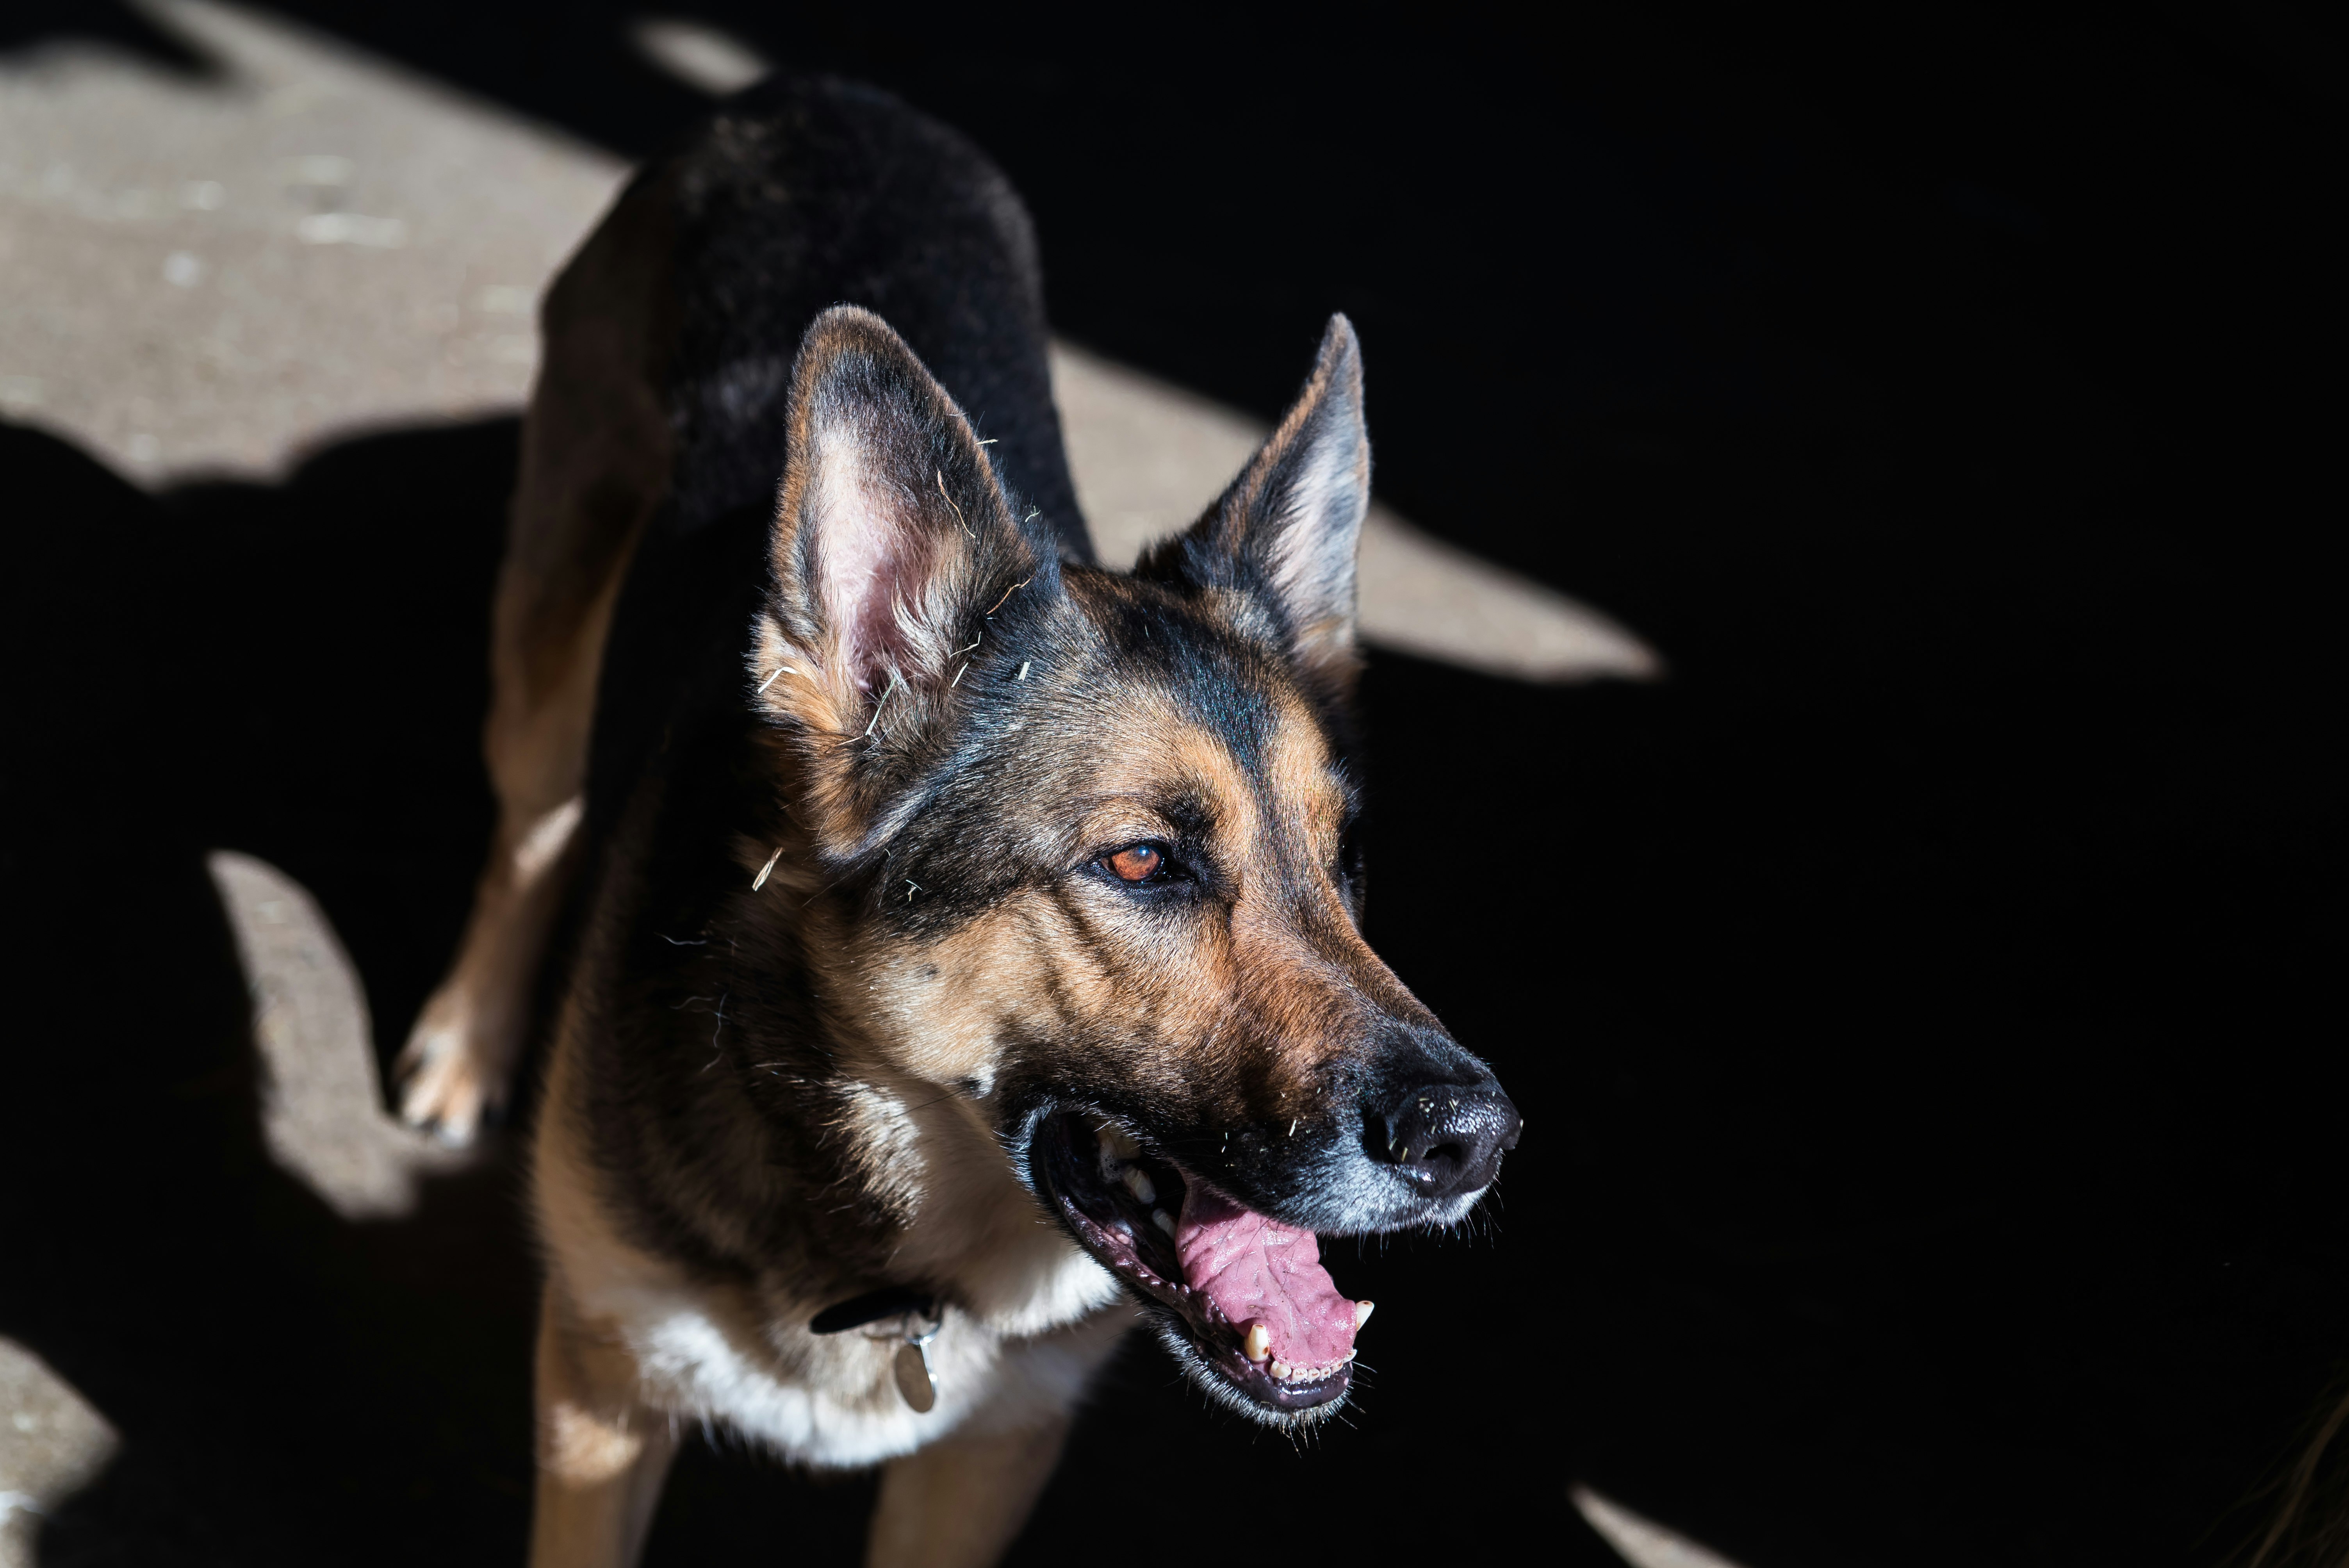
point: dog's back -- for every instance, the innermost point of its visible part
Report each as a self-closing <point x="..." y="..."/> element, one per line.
<point x="805" y="194"/>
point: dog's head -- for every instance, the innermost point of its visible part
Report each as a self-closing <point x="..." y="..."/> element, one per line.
<point x="1092" y="840"/>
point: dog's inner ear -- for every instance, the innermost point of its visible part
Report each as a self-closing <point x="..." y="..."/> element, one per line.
<point x="1291" y="523"/>
<point x="873" y="548"/>
<point x="891" y="530"/>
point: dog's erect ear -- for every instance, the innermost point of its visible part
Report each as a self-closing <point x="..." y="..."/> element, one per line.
<point x="1289" y="526"/>
<point x="892" y="542"/>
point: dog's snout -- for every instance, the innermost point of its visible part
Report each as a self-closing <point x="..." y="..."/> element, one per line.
<point x="1447" y="1138"/>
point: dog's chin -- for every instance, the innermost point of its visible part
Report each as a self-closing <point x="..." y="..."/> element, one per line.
<point x="1208" y="1270"/>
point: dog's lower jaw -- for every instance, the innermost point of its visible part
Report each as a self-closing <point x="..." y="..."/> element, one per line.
<point x="1218" y="1385"/>
<point x="1238" y="1298"/>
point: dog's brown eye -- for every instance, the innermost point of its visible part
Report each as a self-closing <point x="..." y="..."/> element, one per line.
<point x="1136" y="862"/>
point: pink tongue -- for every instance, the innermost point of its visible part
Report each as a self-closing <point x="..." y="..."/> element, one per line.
<point x="1257" y="1270"/>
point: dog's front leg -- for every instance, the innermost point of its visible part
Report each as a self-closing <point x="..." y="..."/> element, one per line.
<point x="957" y="1502"/>
<point x="602" y="1454"/>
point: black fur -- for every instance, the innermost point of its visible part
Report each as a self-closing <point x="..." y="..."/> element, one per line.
<point x="805" y="194"/>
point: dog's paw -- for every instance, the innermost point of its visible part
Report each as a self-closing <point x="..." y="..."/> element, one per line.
<point x="445" y="1085"/>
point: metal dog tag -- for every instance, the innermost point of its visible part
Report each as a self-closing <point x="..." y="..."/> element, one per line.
<point x="916" y="1380"/>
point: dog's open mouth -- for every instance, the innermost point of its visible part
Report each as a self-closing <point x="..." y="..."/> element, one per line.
<point x="1249" y="1295"/>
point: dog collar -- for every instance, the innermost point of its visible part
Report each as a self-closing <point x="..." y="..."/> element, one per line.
<point x="889" y="1301"/>
<point x="917" y="1381"/>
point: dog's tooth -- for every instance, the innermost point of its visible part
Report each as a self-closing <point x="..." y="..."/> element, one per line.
<point x="1258" y="1343"/>
<point x="1162" y="1220"/>
<point x="1362" y="1310"/>
<point x="1280" y="1371"/>
<point x="1115" y="1141"/>
<point x="1138" y="1183"/>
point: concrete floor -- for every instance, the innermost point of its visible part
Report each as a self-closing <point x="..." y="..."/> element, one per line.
<point x="51" y="1446"/>
<point x="210" y="276"/>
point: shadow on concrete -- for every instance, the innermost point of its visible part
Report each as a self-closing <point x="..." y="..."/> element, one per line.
<point x="286" y="670"/>
<point x="28" y="23"/>
<point x="296" y="671"/>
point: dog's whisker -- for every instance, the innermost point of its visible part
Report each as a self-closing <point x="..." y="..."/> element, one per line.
<point x="1006" y="594"/>
<point x="951" y="501"/>
<point x="714" y="1033"/>
<point x="895" y="680"/>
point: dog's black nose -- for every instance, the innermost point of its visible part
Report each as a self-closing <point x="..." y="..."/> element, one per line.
<point x="1448" y="1139"/>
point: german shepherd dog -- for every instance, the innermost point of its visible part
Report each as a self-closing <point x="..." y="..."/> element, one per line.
<point x="967" y="937"/>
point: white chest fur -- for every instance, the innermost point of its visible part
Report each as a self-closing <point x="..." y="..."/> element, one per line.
<point x="1038" y="1316"/>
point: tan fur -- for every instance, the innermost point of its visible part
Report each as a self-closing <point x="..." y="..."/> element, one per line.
<point x="594" y="460"/>
<point x="958" y="1503"/>
<point x="1038" y="964"/>
<point x="601" y="1454"/>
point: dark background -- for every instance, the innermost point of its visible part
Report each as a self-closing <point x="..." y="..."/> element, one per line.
<point x="1922" y="1001"/>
